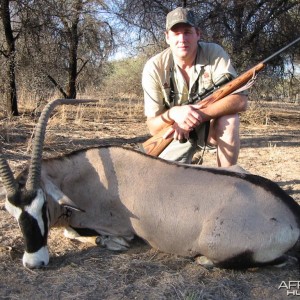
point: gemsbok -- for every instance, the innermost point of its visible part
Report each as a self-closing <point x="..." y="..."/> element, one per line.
<point x="232" y="218"/>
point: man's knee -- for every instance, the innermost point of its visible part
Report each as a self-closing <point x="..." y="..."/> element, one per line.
<point x="227" y="126"/>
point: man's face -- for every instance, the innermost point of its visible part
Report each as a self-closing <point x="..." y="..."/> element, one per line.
<point x="183" y="39"/>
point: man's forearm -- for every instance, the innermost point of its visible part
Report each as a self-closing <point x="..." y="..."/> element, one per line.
<point x="229" y="105"/>
<point x="156" y="124"/>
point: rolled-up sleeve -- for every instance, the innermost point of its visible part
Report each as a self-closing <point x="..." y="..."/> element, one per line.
<point x="221" y="63"/>
<point x="153" y="95"/>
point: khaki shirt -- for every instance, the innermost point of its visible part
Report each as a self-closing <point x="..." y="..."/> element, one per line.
<point x="212" y="62"/>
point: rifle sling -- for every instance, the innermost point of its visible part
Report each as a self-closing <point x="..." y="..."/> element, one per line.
<point x="192" y="94"/>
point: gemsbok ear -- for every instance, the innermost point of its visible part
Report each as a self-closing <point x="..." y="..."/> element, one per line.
<point x="67" y="202"/>
<point x="59" y="196"/>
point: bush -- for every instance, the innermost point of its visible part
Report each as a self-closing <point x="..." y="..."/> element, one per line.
<point x="125" y="78"/>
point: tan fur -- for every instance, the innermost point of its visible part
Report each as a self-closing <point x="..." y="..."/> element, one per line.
<point x="175" y="208"/>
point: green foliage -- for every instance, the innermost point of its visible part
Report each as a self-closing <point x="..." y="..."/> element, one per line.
<point x="124" y="79"/>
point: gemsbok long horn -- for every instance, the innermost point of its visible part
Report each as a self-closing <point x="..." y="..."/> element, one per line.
<point x="7" y="176"/>
<point x="33" y="182"/>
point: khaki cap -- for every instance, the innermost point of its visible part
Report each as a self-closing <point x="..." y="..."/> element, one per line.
<point x="180" y="15"/>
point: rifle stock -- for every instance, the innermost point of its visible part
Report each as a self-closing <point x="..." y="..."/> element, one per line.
<point x="156" y="144"/>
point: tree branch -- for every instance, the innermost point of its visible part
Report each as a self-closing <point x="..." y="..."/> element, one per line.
<point x="56" y="85"/>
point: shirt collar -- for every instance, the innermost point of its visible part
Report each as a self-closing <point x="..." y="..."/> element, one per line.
<point x="201" y="59"/>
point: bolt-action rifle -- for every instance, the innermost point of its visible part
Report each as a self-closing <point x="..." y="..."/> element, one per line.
<point x="156" y="144"/>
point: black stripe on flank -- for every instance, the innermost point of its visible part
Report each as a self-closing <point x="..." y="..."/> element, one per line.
<point x="85" y="231"/>
<point x="33" y="238"/>
<point x="245" y="260"/>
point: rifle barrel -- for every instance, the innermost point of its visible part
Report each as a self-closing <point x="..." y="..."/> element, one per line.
<point x="281" y="50"/>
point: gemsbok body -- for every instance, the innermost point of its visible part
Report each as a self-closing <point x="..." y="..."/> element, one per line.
<point x="233" y="218"/>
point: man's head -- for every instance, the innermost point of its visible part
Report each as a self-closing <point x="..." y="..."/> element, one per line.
<point x="182" y="34"/>
<point x="180" y="15"/>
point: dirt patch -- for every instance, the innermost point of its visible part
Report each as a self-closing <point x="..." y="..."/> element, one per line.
<point x="81" y="271"/>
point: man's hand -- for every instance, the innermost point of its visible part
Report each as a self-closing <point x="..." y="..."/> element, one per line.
<point x="186" y="118"/>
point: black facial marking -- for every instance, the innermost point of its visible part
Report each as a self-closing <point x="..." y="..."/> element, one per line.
<point x="34" y="240"/>
<point x="22" y="198"/>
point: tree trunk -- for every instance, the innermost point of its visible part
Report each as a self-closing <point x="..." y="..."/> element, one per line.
<point x="71" y="90"/>
<point x="73" y="36"/>
<point x="11" y="90"/>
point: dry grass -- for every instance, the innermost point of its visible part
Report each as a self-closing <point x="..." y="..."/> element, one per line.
<point x="81" y="271"/>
